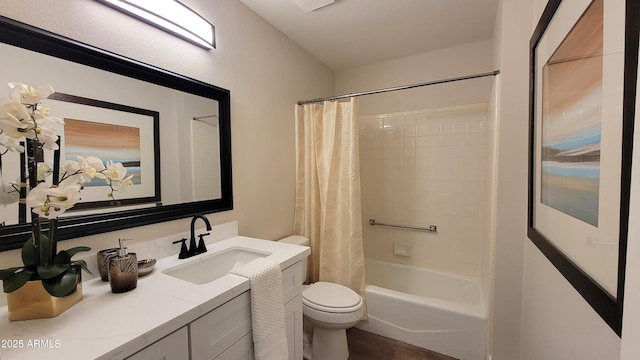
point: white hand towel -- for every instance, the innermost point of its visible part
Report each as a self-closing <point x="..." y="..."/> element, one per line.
<point x="267" y="308"/>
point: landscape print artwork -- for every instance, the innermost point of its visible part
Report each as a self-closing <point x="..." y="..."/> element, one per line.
<point x="105" y="141"/>
<point x="571" y="120"/>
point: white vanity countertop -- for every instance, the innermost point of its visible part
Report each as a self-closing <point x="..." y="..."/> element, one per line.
<point x="113" y="326"/>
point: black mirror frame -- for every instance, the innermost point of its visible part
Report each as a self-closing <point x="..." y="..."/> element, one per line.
<point x="25" y="36"/>
<point x="608" y="307"/>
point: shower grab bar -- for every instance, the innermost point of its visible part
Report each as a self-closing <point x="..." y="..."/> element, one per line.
<point x="204" y="117"/>
<point x="431" y="228"/>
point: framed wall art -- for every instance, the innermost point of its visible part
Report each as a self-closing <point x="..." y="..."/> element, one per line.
<point x="582" y="105"/>
<point x="109" y="131"/>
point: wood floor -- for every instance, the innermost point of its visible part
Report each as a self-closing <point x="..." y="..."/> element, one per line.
<point x="364" y="345"/>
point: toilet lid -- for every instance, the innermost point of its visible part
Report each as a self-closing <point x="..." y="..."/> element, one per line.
<point x="325" y="295"/>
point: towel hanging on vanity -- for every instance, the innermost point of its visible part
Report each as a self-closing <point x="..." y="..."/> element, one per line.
<point x="267" y="308"/>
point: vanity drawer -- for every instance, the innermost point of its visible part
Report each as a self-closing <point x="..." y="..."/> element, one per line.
<point x="292" y="281"/>
<point x="221" y="328"/>
<point x="242" y="350"/>
<point x="171" y="347"/>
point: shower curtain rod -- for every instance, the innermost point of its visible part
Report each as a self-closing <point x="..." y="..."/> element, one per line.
<point x="403" y="87"/>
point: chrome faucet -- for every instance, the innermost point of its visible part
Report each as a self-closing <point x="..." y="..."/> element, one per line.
<point x="193" y="248"/>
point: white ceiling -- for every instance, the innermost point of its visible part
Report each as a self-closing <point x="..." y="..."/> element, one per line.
<point x="351" y="33"/>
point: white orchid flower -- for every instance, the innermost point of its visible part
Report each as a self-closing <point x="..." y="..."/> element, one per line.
<point x="22" y="115"/>
<point x="64" y="196"/>
<point x="37" y="198"/>
<point x="15" y="120"/>
<point x="10" y="143"/>
<point x="91" y="167"/>
<point x="121" y="185"/>
<point x="51" y="202"/>
<point x="14" y="110"/>
<point x="26" y="94"/>
<point x="70" y="167"/>
<point x="43" y="111"/>
<point x="84" y="169"/>
<point x="116" y="177"/>
<point x="48" y="138"/>
<point x="8" y="193"/>
<point x="115" y="171"/>
<point x="43" y="118"/>
<point x="95" y="163"/>
<point x="44" y="169"/>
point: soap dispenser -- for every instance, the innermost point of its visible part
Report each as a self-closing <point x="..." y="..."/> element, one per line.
<point x="123" y="270"/>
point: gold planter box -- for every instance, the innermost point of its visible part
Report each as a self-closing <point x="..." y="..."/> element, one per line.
<point x="32" y="301"/>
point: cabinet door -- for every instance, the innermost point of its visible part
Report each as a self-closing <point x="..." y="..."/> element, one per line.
<point x="292" y="281"/>
<point x="171" y="347"/>
<point x="242" y="350"/>
<point x="219" y="329"/>
<point x="293" y="311"/>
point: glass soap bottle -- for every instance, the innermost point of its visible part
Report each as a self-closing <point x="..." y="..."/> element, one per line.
<point x="123" y="270"/>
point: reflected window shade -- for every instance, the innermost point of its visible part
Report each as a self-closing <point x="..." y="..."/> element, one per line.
<point x="171" y="16"/>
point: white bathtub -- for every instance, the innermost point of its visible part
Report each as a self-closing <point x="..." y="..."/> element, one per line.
<point x="434" y="310"/>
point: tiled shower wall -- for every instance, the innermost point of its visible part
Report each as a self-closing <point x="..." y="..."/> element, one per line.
<point x="424" y="168"/>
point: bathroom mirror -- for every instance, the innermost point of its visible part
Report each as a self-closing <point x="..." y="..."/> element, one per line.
<point x="191" y="144"/>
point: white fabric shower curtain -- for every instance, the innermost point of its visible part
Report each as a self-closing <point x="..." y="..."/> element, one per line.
<point x="327" y="208"/>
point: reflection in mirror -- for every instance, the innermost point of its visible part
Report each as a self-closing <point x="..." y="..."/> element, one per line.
<point x="194" y="155"/>
<point x="200" y="144"/>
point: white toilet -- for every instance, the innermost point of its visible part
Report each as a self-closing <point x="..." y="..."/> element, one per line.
<point x="329" y="309"/>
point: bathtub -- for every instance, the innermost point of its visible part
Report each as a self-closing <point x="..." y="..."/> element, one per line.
<point x="441" y="312"/>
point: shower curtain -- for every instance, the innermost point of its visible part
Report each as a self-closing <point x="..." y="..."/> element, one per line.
<point x="327" y="207"/>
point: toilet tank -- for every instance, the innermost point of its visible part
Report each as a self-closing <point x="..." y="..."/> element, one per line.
<point x="298" y="240"/>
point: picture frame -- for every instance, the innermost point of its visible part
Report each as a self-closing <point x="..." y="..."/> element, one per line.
<point x="115" y="132"/>
<point x="583" y="74"/>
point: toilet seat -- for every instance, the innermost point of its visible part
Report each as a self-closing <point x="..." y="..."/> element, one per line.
<point x="332" y="298"/>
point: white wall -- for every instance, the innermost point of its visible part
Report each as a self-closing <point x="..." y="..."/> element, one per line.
<point x="490" y="191"/>
<point x="555" y="322"/>
<point x="511" y="57"/>
<point x="264" y="70"/>
<point x="434" y="65"/>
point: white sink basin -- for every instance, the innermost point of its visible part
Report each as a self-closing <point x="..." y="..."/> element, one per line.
<point x="214" y="266"/>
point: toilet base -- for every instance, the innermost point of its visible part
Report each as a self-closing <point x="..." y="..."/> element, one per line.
<point x="329" y="344"/>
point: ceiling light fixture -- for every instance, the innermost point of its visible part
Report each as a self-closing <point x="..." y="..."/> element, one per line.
<point x="171" y="16"/>
<point x="311" y="5"/>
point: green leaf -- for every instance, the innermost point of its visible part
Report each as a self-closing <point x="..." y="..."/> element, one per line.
<point x="61" y="285"/>
<point x="7" y="273"/>
<point x="83" y="266"/>
<point x="28" y="253"/>
<point x="61" y="263"/>
<point x="16" y="281"/>
<point x="51" y="271"/>
<point x="77" y="249"/>
<point x="62" y="258"/>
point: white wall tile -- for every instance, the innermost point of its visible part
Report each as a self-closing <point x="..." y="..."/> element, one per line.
<point x="422" y="168"/>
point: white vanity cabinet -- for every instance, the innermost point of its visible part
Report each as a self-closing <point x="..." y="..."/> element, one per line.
<point x="213" y="334"/>
<point x="292" y="293"/>
<point x="222" y="334"/>
<point x="171" y="347"/>
<point x="225" y="332"/>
